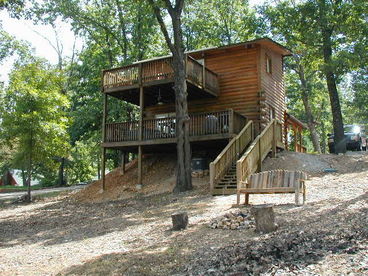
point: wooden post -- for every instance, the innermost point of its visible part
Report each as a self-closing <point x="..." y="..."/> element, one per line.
<point x="274" y="140"/>
<point x="141" y="107"/>
<point x="238" y="182"/>
<point x="204" y="75"/>
<point x="139" y="185"/>
<point x="123" y="155"/>
<point x="103" y="165"/>
<point x="260" y="156"/>
<point x="103" y="168"/>
<point x="231" y="121"/>
<point x="212" y="177"/>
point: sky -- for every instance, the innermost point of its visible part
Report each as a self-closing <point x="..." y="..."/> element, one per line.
<point x="26" y="30"/>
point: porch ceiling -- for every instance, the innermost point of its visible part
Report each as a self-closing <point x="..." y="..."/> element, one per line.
<point x="151" y="94"/>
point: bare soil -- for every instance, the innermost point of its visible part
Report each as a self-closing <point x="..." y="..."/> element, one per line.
<point x="127" y="233"/>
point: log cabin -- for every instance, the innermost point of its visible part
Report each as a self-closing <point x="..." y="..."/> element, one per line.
<point x="227" y="87"/>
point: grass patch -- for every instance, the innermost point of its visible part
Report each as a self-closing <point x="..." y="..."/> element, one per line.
<point x="8" y="188"/>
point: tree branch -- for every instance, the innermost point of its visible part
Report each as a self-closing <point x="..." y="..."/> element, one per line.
<point x="161" y="22"/>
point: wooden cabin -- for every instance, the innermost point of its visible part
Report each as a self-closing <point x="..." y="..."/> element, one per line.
<point x="227" y="86"/>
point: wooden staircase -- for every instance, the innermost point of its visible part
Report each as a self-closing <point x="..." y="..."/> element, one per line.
<point x="227" y="184"/>
<point x="243" y="156"/>
<point x="223" y="168"/>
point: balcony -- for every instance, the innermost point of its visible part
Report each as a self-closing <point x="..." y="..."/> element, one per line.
<point x="157" y="78"/>
<point x="202" y="127"/>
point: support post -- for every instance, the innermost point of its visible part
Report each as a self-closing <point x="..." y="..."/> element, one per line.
<point x="139" y="185"/>
<point x="141" y="106"/>
<point x="231" y="121"/>
<point x="260" y="156"/>
<point x="123" y="155"/>
<point x="274" y="140"/>
<point x="212" y="177"/>
<point x="103" y="168"/>
<point x="103" y="165"/>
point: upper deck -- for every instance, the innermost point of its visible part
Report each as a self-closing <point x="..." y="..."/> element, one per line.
<point x="157" y="78"/>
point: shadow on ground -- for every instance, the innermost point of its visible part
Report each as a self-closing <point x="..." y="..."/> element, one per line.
<point x="301" y="240"/>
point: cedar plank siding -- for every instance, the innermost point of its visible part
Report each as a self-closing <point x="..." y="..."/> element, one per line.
<point x="238" y="81"/>
<point x="273" y="86"/>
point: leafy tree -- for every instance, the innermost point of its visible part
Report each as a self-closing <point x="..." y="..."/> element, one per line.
<point x="176" y="46"/>
<point x="209" y="23"/>
<point x="324" y="27"/>
<point x="34" y="122"/>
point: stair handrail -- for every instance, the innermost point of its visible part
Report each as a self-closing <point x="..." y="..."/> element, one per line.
<point x="251" y="161"/>
<point x="230" y="153"/>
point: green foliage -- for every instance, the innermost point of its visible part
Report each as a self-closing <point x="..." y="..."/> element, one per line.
<point x="84" y="160"/>
<point x="209" y="23"/>
<point x="34" y="123"/>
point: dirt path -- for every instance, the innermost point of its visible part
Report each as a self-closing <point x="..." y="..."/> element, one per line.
<point x="133" y="237"/>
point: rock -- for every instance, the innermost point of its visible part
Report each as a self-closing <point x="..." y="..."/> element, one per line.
<point x="233" y="221"/>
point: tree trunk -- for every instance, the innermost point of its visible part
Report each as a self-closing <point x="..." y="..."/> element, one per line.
<point x="264" y="218"/>
<point x="62" y="181"/>
<point x="179" y="221"/>
<point x="24" y="178"/>
<point x="308" y="110"/>
<point x="184" y="177"/>
<point x="326" y="30"/>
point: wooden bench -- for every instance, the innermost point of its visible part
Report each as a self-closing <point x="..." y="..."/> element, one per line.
<point x="273" y="182"/>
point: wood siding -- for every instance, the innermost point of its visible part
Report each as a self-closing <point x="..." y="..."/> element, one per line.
<point x="272" y="84"/>
<point x="244" y="84"/>
<point x="238" y="82"/>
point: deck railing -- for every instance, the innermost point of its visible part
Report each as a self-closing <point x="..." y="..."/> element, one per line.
<point x="154" y="71"/>
<point x="200" y="124"/>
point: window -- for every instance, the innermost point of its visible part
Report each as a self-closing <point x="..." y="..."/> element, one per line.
<point x="268" y="65"/>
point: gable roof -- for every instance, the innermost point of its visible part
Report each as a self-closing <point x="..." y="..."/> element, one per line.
<point x="264" y="41"/>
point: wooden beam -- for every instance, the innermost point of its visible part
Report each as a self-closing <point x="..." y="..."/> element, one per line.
<point x="141" y="107"/>
<point x="123" y="159"/>
<point x="104" y="116"/>
<point x="139" y="185"/>
<point x="274" y="140"/>
<point x="103" y="165"/>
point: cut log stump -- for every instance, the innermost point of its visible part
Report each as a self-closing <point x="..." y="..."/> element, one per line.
<point x="179" y="221"/>
<point x="264" y="218"/>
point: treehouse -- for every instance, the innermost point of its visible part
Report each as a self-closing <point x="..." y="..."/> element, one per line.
<point x="234" y="92"/>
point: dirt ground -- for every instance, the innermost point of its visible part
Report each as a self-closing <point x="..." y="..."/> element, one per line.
<point x="88" y="234"/>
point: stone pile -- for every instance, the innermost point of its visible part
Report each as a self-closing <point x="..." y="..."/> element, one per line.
<point x="233" y="220"/>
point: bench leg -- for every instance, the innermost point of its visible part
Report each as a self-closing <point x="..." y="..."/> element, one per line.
<point x="304" y="192"/>
<point x="246" y="199"/>
<point x="238" y="198"/>
<point x="297" y="191"/>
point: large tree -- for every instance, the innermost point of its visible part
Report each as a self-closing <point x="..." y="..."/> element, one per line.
<point x="176" y="46"/>
<point x="33" y="121"/>
<point x="325" y="26"/>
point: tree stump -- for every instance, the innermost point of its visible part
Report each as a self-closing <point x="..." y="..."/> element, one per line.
<point x="179" y="221"/>
<point x="264" y="218"/>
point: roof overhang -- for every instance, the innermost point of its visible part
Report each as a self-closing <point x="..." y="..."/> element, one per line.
<point x="264" y="42"/>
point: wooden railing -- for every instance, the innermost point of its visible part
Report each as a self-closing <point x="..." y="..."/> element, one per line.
<point x="154" y="71"/>
<point x="251" y="160"/>
<point x="200" y="124"/>
<point x="230" y="154"/>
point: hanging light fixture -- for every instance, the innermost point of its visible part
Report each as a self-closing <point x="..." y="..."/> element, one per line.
<point x="159" y="102"/>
